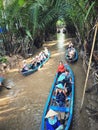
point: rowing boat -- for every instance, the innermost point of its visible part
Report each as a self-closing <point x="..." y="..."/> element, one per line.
<point x="1" y="81"/>
<point x="30" y="71"/>
<point x="75" y="57"/>
<point x="66" y="110"/>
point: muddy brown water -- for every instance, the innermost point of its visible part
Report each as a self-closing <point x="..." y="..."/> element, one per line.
<point x="21" y="107"/>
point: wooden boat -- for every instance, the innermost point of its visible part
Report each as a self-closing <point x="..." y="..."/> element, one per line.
<point x="75" y="58"/>
<point x="67" y="110"/>
<point x="1" y="81"/>
<point x="30" y="71"/>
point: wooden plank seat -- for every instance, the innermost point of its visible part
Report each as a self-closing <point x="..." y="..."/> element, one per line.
<point x="60" y="109"/>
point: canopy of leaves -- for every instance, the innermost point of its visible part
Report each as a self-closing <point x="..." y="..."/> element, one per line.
<point x="37" y="16"/>
<point x="60" y="23"/>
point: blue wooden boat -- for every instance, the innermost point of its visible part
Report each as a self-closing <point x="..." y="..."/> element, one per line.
<point x="67" y="110"/>
<point x="75" y="58"/>
<point x="1" y="81"/>
<point x="30" y="71"/>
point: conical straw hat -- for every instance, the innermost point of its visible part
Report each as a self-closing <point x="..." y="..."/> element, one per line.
<point x="51" y="113"/>
<point x="60" y="86"/>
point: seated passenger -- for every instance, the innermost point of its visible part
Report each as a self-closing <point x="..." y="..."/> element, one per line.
<point x="68" y="87"/>
<point x="71" y="51"/>
<point x="60" y="95"/>
<point x="42" y="56"/>
<point x="52" y="122"/>
<point x="64" y="77"/>
<point x="33" y="63"/>
<point x="46" y="51"/>
<point x="61" y="68"/>
<point x="25" y="66"/>
<point x="38" y="62"/>
<point x="70" y="45"/>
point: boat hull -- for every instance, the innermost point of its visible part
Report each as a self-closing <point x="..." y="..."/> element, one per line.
<point x="1" y="81"/>
<point x="74" y="59"/>
<point x="31" y="71"/>
<point x="66" y="109"/>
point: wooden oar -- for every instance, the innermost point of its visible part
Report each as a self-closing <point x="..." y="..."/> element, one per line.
<point x="90" y="59"/>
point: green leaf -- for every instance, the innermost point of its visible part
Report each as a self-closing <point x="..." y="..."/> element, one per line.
<point x="29" y="34"/>
<point x="21" y="2"/>
<point x="1" y="4"/>
<point x="88" y="12"/>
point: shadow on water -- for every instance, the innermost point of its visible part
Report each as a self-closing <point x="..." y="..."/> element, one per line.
<point x="21" y="107"/>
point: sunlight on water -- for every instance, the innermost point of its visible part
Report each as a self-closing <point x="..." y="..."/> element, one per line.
<point x="60" y="38"/>
<point x="60" y="41"/>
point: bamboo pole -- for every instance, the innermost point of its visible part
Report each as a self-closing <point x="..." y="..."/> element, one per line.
<point x="85" y="85"/>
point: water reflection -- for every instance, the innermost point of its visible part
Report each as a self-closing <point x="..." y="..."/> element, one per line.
<point x="60" y="39"/>
<point x="61" y="45"/>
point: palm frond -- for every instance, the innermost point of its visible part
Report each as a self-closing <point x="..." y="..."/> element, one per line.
<point x="88" y="12"/>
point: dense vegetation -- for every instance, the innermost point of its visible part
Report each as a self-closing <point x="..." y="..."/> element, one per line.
<point x="25" y="23"/>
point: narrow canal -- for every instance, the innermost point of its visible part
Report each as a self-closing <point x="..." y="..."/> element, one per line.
<point x="21" y="107"/>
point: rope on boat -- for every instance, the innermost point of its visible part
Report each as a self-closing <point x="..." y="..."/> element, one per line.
<point x="88" y="70"/>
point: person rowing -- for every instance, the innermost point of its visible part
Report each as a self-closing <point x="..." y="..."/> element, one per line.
<point x="52" y="122"/>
